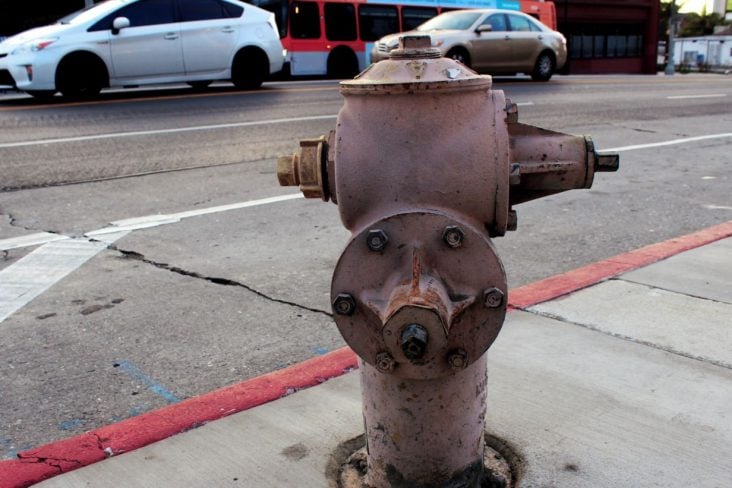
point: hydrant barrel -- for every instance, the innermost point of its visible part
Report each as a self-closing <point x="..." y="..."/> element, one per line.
<point x="425" y="164"/>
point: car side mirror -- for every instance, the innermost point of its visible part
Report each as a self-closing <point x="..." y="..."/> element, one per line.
<point x="483" y="28"/>
<point x="120" y="23"/>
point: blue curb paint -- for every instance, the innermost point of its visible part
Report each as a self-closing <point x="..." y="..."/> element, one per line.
<point x="147" y="381"/>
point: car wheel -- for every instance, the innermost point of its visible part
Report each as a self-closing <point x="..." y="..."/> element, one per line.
<point x="544" y="67"/>
<point x="80" y="76"/>
<point x="459" y="55"/>
<point x="41" y="94"/>
<point x="249" y="69"/>
<point x="199" y="85"/>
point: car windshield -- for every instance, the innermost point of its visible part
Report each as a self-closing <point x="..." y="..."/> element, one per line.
<point x="91" y="12"/>
<point x="451" y="21"/>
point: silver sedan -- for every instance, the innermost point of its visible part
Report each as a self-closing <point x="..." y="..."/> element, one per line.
<point x="490" y="41"/>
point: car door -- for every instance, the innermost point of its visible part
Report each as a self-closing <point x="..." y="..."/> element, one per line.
<point x="525" y="42"/>
<point x="151" y="45"/>
<point x="209" y="30"/>
<point x="490" y="50"/>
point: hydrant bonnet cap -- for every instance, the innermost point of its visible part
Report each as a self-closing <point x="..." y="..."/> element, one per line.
<point x="415" y="66"/>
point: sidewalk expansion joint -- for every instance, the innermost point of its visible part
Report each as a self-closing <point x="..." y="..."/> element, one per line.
<point x="668" y="290"/>
<point x="211" y="279"/>
<point x="670" y="350"/>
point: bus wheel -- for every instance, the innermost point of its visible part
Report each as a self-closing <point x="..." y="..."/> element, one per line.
<point x="460" y="55"/>
<point x="342" y="63"/>
<point x="250" y="68"/>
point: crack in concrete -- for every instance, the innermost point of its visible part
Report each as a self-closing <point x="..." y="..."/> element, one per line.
<point x="668" y="349"/>
<point x="212" y="279"/>
<point x="13" y="222"/>
<point x="57" y="463"/>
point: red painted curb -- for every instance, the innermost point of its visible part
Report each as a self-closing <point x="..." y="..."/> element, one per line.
<point x="36" y="465"/>
<point x="571" y="281"/>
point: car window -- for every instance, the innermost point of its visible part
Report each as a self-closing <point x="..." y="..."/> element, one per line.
<point x="458" y="21"/>
<point x="144" y="12"/>
<point x="192" y="10"/>
<point x="497" y="22"/>
<point x="519" y="23"/>
<point x="414" y="16"/>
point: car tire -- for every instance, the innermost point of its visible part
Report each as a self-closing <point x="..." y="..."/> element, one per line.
<point x="199" y="85"/>
<point x="460" y="55"/>
<point x="41" y="94"/>
<point x="249" y="69"/>
<point x="81" y="76"/>
<point x="544" y="67"/>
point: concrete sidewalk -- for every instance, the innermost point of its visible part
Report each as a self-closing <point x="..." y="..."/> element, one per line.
<point x="615" y="375"/>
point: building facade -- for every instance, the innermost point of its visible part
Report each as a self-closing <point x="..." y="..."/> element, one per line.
<point x="609" y="36"/>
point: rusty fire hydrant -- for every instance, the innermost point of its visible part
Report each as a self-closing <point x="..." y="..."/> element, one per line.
<point x="425" y="164"/>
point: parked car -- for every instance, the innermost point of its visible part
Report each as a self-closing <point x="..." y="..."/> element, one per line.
<point x="120" y="43"/>
<point x="491" y="41"/>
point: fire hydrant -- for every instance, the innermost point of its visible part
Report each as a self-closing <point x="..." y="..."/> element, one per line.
<point x="425" y="165"/>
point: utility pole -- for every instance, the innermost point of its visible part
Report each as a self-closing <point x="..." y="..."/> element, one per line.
<point x="670" y="69"/>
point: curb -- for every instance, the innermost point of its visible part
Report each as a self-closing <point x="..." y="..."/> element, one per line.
<point x="43" y="462"/>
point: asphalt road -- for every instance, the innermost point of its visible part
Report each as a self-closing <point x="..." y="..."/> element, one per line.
<point x="209" y="284"/>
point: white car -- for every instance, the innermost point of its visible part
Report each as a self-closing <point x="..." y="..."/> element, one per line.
<point x="120" y="43"/>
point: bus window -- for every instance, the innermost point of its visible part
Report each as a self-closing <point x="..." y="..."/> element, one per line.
<point x="340" y="22"/>
<point x="304" y="20"/>
<point x="376" y="21"/>
<point x="414" y="16"/>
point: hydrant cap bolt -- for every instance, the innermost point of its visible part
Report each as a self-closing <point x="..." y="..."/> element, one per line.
<point x="413" y="341"/>
<point x="457" y="359"/>
<point x="344" y="304"/>
<point x="376" y="240"/>
<point x="493" y="297"/>
<point x="384" y="362"/>
<point x="453" y="236"/>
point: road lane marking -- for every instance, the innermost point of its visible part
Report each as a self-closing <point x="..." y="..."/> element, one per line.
<point x="672" y="142"/>
<point x="711" y="95"/>
<point x="36" y="272"/>
<point x="30" y="240"/>
<point x="139" y="133"/>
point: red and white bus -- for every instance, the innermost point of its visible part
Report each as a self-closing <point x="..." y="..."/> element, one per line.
<point x="334" y="37"/>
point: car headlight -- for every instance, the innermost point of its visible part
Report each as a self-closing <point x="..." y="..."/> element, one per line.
<point x="34" y="46"/>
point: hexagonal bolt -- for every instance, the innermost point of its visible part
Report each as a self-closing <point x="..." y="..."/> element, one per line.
<point x="385" y="363"/>
<point x="453" y="236"/>
<point x="493" y="297"/>
<point x="377" y="240"/>
<point x="287" y="170"/>
<point x="457" y="359"/>
<point x="344" y="304"/>
<point x="511" y="112"/>
<point x="413" y="341"/>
